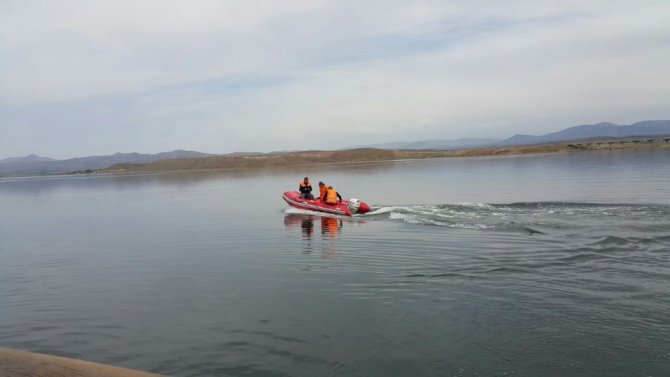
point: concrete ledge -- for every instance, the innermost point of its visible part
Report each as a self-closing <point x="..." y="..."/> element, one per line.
<point x="14" y="363"/>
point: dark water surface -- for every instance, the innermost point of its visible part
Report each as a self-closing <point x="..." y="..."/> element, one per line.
<point x="549" y="265"/>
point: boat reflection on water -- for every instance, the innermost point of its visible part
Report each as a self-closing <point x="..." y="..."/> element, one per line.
<point x="305" y="222"/>
<point x="330" y="226"/>
<point x="330" y="229"/>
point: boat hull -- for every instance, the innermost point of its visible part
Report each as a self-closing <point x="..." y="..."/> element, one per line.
<point x="294" y="200"/>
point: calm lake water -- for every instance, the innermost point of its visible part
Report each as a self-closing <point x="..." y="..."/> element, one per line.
<point x="546" y="265"/>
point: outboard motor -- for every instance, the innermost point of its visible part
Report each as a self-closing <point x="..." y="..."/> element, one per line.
<point x="353" y="205"/>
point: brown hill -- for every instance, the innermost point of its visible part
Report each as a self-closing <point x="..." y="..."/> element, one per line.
<point x="372" y="154"/>
<point x="319" y="157"/>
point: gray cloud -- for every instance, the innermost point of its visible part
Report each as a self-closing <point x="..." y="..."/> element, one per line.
<point x="100" y="77"/>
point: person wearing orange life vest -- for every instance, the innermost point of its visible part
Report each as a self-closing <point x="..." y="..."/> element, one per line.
<point x="306" y="189"/>
<point x="323" y="191"/>
<point x="332" y="197"/>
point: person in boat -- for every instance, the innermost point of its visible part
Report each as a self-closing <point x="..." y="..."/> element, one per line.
<point x="323" y="191"/>
<point x="332" y="196"/>
<point x="306" y="189"/>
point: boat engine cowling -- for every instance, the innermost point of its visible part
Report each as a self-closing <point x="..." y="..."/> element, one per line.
<point x="354" y="205"/>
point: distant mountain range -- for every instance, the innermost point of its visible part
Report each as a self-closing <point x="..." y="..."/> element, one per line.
<point x="600" y="130"/>
<point x="36" y="165"/>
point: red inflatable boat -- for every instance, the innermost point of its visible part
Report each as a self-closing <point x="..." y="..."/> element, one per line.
<point x="345" y="208"/>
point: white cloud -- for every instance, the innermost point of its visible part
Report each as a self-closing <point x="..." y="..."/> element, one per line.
<point x="265" y="72"/>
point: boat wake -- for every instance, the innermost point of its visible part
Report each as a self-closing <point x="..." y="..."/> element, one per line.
<point x="532" y="218"/>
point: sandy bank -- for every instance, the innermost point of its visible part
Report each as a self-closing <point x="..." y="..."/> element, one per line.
<point x="14" y="363"/>
<point x="369" y="155"/>
<point x="314" y="158"/>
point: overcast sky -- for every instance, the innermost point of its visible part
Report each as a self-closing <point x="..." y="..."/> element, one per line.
<point x="97" y="77"/>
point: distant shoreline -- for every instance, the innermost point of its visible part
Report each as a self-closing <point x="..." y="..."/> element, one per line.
<point x="374" y="155"/>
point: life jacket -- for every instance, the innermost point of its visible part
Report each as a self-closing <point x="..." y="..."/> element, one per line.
<point x="323" y="192"/>
<point x="305" y="187"/>
<point x="331" y="197"/>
